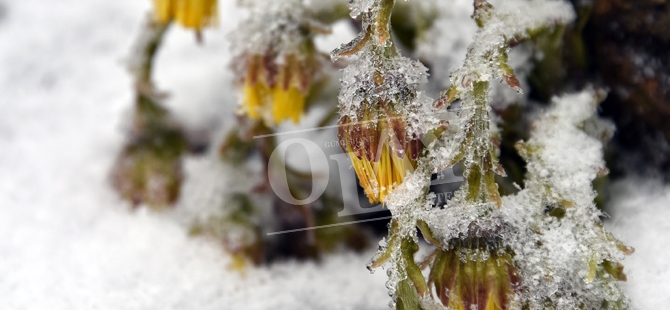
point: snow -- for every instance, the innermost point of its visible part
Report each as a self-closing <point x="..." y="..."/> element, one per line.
<point x="68" y="242"/>
<point x="568" y="159"/>
<point x="639" y="209"/>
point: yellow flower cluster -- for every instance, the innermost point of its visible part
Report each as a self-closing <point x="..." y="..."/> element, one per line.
<point x="195" y="14"/>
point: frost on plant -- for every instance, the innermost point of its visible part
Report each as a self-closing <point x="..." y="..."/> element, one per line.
<point x="224" y="210"/>
<point x="542" y="248"/>
<point x="275" y="60"/>
<point x="560" y="243"/>
<point x="383" y="115"/>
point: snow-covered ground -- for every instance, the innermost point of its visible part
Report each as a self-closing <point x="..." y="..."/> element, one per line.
<point x="640" y="211"/>
<point x="67" y="241"/>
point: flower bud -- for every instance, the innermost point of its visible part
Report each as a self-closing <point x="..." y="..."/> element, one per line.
<point x="475" y="272"/>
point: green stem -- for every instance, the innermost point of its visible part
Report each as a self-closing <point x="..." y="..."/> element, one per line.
<point x="149" y="41"/>
<point x="480" y="182"/>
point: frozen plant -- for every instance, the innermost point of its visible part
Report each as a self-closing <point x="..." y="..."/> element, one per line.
<point x="542" y="248"/>
<point x="560" y="242"/>
<point x="148" y="170"/>
<point x="383" y="115"/>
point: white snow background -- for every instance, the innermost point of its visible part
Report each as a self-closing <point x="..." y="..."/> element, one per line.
<point x="68" y="242"/>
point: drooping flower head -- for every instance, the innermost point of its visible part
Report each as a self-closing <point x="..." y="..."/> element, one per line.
<point x="380" y="149"/>
<point x="475" y="271"/>
<point x="382" y="120"/>
<point x="275" y="60"/>
<point x="275" y="92"/>
<point x="194" y="14"/>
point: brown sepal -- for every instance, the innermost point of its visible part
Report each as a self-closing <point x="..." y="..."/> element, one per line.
<point x="373" y="136"/>
<point x="353" y="46"/>
<point x="398" y="133"/>
<point x="253" y="69"/>
<point x="450" y="270"/>
<point x="484" y="286"/>
<point x="287" y="72"/>
<point x="342" y="132"/>
<point x="414" y="148"/>
<point x="513" y="82"/>
<point x="270" y="69"/>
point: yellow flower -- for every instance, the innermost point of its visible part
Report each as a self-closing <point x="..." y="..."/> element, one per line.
<point x="275" y="66"/>
<point x="275" y="93"/>
<point x="195" y="14"/>
<point x="380" y="150"/>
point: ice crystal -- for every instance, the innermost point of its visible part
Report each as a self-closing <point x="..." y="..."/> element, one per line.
<point x="358" y="7"/>
<point x="401" y="82"/>
<point x="401" y="78"/>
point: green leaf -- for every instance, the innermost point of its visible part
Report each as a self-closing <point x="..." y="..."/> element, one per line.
<point x="408" y="248"/>
<point x="407" y="297"/>
<point x="427" y="234"/>
<point x="384" y="257"/>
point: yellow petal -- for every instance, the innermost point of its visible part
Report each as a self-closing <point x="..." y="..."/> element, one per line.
<point x="196" y="13"/>
<point x="253" y="99"/>
<point x="164" y="10"/>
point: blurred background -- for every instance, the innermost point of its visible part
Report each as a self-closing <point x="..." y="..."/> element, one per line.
<point x="69" y="240"/>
